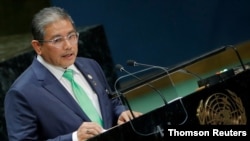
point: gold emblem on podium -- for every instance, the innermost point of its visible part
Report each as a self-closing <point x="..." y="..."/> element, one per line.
<point x="222" y="109"/>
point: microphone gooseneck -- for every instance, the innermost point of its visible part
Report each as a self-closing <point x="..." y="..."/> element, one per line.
<point x="121" y="68"/>
<point x="134" y="63"/>
<point x="190" y="73"/>
<point x="238" y="56"/>
<point x="120" y="95"/>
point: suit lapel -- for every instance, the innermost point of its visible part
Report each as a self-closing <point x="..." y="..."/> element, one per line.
<point x="89" y="76"/>
<point x="49" y="82"/>
<point x="94" y="83"/>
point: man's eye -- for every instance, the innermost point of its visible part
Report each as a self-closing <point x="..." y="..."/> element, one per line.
<point x="72" y="36"/>
<point x="57" y="40"/>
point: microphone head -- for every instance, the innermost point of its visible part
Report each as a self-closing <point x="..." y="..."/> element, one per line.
<point x="119" y="67"/>
<point x="131" y="62"/>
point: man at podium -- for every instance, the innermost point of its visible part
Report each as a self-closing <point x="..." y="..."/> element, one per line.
<point x="44" y="102"/>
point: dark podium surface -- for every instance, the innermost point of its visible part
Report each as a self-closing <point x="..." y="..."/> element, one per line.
<point x="182" y="114"/>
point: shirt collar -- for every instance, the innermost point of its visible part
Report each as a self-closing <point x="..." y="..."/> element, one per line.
<point x="56" y="71"/>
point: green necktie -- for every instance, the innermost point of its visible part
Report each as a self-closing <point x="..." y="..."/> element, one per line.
<point x="82" y="98"/>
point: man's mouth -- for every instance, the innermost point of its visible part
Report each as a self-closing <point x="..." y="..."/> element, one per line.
<point x="68" y="55"/>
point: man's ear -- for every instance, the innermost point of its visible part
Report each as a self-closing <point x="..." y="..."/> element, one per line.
<point x="36" y="46"/>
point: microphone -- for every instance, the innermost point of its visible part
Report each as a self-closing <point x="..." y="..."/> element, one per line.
<point x="121" y="68"/>
<point x="134" y="63"/>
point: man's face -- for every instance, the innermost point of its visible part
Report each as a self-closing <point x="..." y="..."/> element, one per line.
<point x="60" y="44"/>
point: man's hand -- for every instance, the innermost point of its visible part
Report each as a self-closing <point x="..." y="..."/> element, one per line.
<point x="127" y="116"/>
<point x="88" y="130"/>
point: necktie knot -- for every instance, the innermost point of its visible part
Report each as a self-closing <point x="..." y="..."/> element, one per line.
<point x="68" y="74"/>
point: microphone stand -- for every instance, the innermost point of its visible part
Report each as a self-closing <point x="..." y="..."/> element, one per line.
<point x="123" y="98"/>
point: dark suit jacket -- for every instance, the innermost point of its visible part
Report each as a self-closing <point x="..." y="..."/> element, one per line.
<point x="38" y="107"/>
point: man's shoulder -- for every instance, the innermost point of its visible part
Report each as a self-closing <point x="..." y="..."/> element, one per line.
<point x="85" y="60"/>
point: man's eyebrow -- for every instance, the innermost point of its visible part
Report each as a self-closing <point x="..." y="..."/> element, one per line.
<point x="58" y="35"/>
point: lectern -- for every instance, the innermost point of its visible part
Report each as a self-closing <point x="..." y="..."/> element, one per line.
<point x="221" y="102"/>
